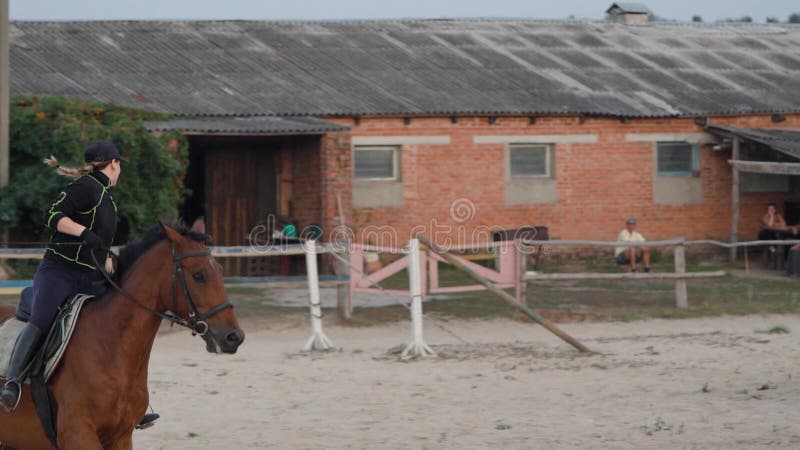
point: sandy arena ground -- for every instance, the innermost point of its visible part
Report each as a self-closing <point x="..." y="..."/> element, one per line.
<point x="712" y="383"/>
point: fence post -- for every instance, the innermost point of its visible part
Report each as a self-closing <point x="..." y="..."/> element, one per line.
<point x="681" y="296"/>
<point x="318" y="340"/>
<point x="417" y="346"/>
<point x="344" y="301"/>
<point x="521" y="258"/>
<point x="735" y="193"/>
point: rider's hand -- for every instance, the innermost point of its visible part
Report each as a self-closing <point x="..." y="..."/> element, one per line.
<point x="91" y="239"/>
<point x="109" y="266"/>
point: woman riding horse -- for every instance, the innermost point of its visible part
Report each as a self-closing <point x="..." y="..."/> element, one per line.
<point x="99" y="391"/>
<point x="84" y="219"/>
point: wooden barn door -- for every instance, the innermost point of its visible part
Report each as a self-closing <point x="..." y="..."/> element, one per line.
<point x="241" y="192"/>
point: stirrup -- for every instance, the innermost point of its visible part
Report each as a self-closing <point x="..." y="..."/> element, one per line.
<point x="3" y="407"/>
<point x="148" y="421"/>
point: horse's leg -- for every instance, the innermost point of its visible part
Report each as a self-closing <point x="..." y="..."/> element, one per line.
<point x="125" y="443"/>
<point x="74" y="433"/>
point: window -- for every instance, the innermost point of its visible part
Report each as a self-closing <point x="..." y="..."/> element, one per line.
<point x="527" y="160"/>
<point x="676" y="158"/>
<point x="376" y="163"/>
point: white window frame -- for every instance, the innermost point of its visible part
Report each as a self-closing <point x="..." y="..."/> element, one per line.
<point x="395" y="161"/>
<point x="548" y="160"/>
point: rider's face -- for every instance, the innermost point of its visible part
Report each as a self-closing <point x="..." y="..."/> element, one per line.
<point x="116" y="169"/>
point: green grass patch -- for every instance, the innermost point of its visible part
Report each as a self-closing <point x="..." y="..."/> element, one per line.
<point x="780" y="329"/>
<point x="635" y="300"/>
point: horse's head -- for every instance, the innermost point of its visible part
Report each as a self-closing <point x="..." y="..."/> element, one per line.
<point x="198" y="293"/>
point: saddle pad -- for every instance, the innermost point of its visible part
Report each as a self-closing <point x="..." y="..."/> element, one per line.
<point x="63" y="327"/>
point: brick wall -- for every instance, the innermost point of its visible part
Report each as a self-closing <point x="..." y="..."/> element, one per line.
<point x="306" y="203"/>
<point x="598" y="184"/>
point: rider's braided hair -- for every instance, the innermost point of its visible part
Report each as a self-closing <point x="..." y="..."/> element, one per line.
<point x="75" y="172"/>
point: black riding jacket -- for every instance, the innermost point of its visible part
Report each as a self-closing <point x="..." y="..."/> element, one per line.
<point x="86" y="201"/>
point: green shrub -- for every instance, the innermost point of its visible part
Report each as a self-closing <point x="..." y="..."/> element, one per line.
<point x="150" y="186"/>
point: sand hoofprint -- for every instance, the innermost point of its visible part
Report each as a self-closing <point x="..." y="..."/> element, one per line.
<point x="693" y="384"/>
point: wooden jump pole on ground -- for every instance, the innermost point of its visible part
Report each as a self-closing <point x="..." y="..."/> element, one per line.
<point x="520" y="306"/>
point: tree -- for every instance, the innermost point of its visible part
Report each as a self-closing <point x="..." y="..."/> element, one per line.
<point x="773" y="20"/>
<point x="697" y="18"/>
<point x="151" y="185"/>
<point x="746" y="19"/>
<point x="794" y="18"/>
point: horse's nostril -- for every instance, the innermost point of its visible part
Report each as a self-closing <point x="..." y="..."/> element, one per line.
<point x="234" y="336"/>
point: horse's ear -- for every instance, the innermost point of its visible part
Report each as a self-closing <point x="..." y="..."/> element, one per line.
<point x="172" y="234"/>
<point x="199" y="225"/>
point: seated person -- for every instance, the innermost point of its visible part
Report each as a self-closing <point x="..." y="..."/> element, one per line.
<point x="771" y="224"/>
<point x="629" y="256"/>
<point x="773" y="227"/>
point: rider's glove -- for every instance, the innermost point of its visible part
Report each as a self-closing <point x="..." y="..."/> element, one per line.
<point x="91" y="239"/>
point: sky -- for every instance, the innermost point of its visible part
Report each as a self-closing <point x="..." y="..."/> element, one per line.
<point x="681" y="10"/>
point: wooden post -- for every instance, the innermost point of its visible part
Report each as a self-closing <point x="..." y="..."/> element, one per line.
<point x="522" y="267"/>
<point x="5" y="94"/>
<point x="356" y="274"/>
<point x="5" y="103"/>
<point x="681" y="296"/>
<point x="736" y="154"/>
<point x="343" y="302"/>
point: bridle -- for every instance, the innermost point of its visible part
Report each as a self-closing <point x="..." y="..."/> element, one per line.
<point x="196" y="321"/>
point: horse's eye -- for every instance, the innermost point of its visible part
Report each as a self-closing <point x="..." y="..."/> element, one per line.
<point x="199" y="277"/>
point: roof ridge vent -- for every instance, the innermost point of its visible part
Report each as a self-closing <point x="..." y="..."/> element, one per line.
<point x="628" y="13"/>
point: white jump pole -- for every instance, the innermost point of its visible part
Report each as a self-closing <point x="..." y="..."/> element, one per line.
<point x="318" y="340"/>
<point x="417" y="347"/>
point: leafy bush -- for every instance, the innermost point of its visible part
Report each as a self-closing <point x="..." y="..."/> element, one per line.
<point x="150" y="186"/>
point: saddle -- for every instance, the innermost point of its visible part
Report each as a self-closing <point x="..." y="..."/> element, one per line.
<point x="58" y="337"/>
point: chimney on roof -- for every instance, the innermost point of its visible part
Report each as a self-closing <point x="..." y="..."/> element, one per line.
<point x="628" y="13"/>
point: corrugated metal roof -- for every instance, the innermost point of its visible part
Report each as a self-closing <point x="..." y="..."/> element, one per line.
<point x="246" y="125"/>
<point x="786" y="141"/>
<point x="415" y="67"/>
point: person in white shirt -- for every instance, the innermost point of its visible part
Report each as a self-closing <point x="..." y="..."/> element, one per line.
<point x="629" y="256"/>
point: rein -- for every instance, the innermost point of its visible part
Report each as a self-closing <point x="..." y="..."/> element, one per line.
<point x="196" y="321"/>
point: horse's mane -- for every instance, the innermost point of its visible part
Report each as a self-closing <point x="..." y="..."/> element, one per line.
<point x="131" y="252"/>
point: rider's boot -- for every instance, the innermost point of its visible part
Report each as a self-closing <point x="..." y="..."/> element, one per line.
<point x="24" y="349"/>
<point x="147" y="421"/>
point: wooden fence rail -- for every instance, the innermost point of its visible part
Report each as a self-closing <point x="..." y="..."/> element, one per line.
<point x="680" y="275"/>
<point x="666" y="243"/>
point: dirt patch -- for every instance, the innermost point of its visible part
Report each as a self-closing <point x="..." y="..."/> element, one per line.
<point x="694" y="383"/>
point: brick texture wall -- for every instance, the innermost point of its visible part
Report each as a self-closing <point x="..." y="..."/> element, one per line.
<point x="599" y="184"/>
<point x="306" y="202"/>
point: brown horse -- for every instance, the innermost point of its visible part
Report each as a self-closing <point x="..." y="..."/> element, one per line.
<point x="100" y="386"/>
